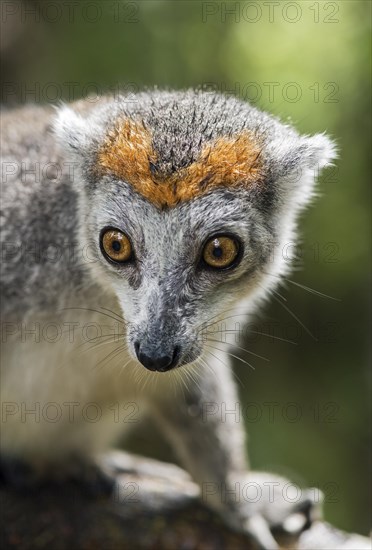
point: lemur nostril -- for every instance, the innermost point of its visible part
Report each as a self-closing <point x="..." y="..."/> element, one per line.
<point x="176" y="355"/>
<point x="137" y="348"/>
<point x="154" y="362"/>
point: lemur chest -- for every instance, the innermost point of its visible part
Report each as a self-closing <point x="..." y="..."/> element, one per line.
<point x="71" y="355"/>
<point x="68" y="383"/>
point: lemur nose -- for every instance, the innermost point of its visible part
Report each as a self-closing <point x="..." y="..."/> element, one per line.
<point x="154" y="361"/>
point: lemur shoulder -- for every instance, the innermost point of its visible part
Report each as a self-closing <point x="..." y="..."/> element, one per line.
<point x="160" y="213"/>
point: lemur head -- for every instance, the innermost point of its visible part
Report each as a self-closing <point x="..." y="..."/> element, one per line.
<point x="187" y="199"/>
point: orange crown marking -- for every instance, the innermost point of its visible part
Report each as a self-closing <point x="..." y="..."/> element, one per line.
<point x="226" y="162"/>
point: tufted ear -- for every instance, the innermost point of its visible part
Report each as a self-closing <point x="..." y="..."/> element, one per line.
<point x="319" y="151"/>
<point x="301" y="154"/>
<point x="75" y="133"/>
<point x="296" y="164"/>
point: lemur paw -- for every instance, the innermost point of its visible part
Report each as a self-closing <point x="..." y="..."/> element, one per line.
<point x="269" y="508"/>
<point x="296" y="520"/>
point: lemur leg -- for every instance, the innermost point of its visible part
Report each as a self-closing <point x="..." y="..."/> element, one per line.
<point x="206" y="429"/>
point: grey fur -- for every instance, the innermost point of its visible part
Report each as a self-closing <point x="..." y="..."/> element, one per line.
<point x="166" y="297"/>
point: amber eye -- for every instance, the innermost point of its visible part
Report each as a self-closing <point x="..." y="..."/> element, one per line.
<point x="116" y="245"/>
<point x="221" y="252"/>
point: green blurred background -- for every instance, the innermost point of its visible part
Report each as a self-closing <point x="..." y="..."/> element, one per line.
<point x="307" y="61"/>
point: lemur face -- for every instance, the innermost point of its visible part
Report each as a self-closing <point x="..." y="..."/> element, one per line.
<point x="174" y="270"/>
<point x="187" y="198"/>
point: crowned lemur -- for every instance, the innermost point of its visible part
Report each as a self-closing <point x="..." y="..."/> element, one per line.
<point x="162" y="213"/>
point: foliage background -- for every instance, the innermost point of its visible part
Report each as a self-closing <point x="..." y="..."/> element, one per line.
<point x="323" y="48"/>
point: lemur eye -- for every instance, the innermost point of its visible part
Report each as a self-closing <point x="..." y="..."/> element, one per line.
<point x="221" y="252"/>
<point x="116" y="246"/>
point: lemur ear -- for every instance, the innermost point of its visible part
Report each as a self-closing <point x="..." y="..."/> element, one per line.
<point x="74" y="132"/>
<point x="318" y="151"/>
<point x="302" y="154"/>
<point x="297" y="162"/>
